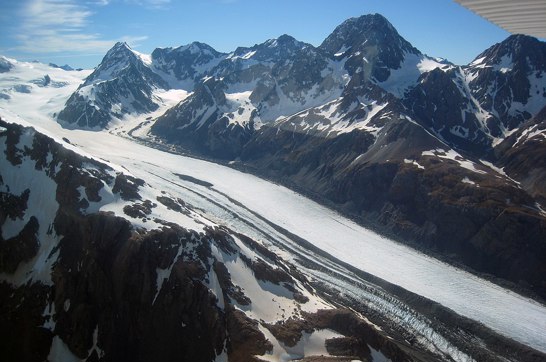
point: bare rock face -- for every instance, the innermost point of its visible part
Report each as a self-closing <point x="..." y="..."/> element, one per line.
<point x="246" y="340"/>
<point x="115" y="292"/>
<point x="19" y="248"/>
<point x="443" y="105"/>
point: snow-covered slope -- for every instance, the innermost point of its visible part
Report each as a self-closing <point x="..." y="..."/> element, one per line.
<point x="46" y="87"/>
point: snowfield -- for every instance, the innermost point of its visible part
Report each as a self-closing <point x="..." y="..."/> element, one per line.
<point x="268" y="212"/>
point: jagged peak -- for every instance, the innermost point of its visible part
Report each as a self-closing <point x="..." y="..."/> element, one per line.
<point x="121" y="52"/>
<point x="285" y="46"/>
<point x="375" y="20"/>
<point x="516" y="47"/>
<point x="193" y="50"/>
<point x="119" y="47"/>
<point x="196" y="47"/>
<point x="284" y="40"/>
<point x="118" y="58"/>
<point x="5" y="64"/>
<point x="366" y="30"/>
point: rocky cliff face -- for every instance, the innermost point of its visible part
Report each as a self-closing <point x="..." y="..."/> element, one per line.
<point x="368" y="44"/>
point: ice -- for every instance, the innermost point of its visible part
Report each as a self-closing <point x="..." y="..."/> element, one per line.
<point x="214" y="286"/>
<point x="505" y="64"/>
<point x="342" y="51"/>
<point x="145" y="58"/>
<point x="498" y="308"/>
<point x="49" y="313"/>
<point x="477" y="61"/>
<point x="240" y="108"/>
<point x="95" y="347"/>
<point x="270" y="303"/>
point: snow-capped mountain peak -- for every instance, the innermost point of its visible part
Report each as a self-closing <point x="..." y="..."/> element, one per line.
<point x="123" y="83"/>
<point x="371" y="47"/>
<point x="181" y="67"/>
<point x="116" y="61"/>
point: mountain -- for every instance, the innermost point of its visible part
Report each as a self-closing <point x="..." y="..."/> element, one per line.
<point x="111" y="249"/>
<point x="371" y="45"/>
<point x="250" y="87"/>
<point x="476" y="106"/>
<point x="185" y="65"/>
<point x="123" y="83"/>
<point x="5" y="65"/>
<point x="508" y="81"/>
<point x="63" y="67"/>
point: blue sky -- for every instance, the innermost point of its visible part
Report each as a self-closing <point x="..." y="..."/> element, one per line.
<point x="79" y="32"/>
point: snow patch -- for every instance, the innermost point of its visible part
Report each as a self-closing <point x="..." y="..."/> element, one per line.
<point x="401" y="79"/>
<point x="413" y="162"/>
<point x="455" y="156"/>
<point x="60" y="352"/>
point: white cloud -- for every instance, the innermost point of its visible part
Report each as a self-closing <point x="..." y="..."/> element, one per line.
<point x="152" y="4"/>
<point x="99" y="2"/>
<point x="55" y="26"/>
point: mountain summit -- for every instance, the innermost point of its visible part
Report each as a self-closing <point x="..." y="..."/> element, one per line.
<point x="369" y="40"/>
